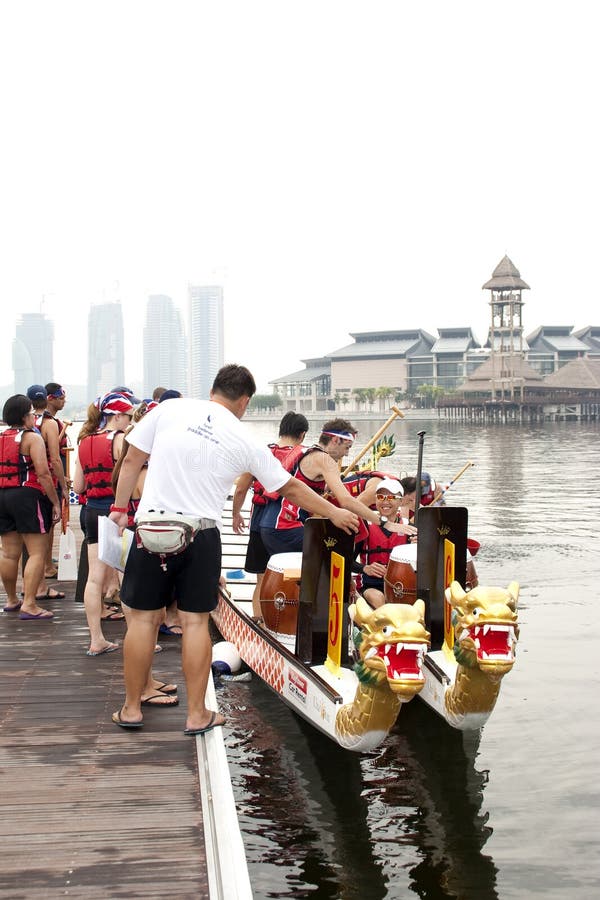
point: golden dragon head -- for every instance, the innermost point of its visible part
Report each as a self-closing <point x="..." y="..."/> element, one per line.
<point x="391" y="643"/>
<point x="485" y="627"/>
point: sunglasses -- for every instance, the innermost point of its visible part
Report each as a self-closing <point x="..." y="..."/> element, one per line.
<point x="381" y="496"/>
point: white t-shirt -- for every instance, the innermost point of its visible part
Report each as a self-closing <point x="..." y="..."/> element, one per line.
<point x="197" y="449"/>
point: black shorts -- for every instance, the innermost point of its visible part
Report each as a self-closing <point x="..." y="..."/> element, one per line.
<point x="192" y="576"/>
<point x="257" y="555"/>
<point x="283" y="540"/>
<point x="24" y="510"/>
<point x="91" y="522"/>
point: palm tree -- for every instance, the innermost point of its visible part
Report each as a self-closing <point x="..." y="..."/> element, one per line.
<point x="360" y="395"/>
<point x="384" y="394"/>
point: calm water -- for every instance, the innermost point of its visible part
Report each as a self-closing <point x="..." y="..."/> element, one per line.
<point x="510" y="812"/>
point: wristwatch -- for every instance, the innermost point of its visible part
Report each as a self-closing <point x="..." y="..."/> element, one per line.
<point x="382" y="519"/>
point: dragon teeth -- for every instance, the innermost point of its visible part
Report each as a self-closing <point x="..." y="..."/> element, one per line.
<point x="370" y="653"/>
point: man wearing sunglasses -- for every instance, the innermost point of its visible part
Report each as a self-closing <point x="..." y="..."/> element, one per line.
<point x="374" y="551"/>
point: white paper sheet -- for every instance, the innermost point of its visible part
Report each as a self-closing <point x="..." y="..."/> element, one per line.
<point x="113" y="549"/>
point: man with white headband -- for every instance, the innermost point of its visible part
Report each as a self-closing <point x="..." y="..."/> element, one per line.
<point x="282" y="528"/>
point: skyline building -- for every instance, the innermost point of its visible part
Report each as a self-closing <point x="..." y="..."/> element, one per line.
<point x="33" y="351"/>
<point x="106" y="366"/>
<point x="164" y="346"/>
<point x="206" y="337"/>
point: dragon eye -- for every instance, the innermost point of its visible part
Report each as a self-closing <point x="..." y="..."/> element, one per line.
<point x="387" y="629"/>
<point x="476" y="612"/>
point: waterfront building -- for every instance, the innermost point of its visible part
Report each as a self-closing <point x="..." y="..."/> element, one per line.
<point x="383" y="366"/>
<point x="307" y="390"/>
<point x="164" y="346"/>
<point x="401" y="359"/>
<point x="552" y="346"/>
<point x="106" y="366"/>
<point x="206" y="337"/>
<point x="33" y="351"/>
<point x="456" y="354"/>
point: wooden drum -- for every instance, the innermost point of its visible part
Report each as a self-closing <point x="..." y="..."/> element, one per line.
<point x="279" y="593"/>
<point x="400" y="582"/>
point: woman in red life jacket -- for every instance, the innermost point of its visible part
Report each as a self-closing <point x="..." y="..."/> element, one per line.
<point x="374" y="551"/>
<point x="100" y="441"/>
<point x="28" y="506"/>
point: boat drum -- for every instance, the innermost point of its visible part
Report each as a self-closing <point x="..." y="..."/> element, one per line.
<point x="400" y="582"/>
<point x="279" y="593"/>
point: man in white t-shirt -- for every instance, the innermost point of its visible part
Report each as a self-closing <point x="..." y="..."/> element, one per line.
<point x="195" y="449"/>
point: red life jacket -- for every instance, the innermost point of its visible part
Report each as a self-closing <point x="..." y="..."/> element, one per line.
<point x="290" y="515"/>
<point x="287" y="456"/>
<point x="97" y="461"/>
<point x="12" y="463"/>
<point x="356" y="483"/>
<point x="378" y="546"/>
<point x="16" y="468"/>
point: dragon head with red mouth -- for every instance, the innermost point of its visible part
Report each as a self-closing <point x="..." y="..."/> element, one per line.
<point x="391" y="643"/>
<point x="485" y="627"/>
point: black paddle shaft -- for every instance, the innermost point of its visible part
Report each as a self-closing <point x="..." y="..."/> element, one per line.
<point x="421" y="435"/>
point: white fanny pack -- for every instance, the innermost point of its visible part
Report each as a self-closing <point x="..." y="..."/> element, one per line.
<point x="167" y="534"/>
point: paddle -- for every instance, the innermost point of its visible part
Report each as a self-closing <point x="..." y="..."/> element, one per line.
<point x="438" y="496"/>
<point x="395" y="414"/>
<point x="421" y="435"/>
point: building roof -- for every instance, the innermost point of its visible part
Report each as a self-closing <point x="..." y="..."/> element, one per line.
<point x="481" y="378"/>
<point x="558" y="338"/>
<point x="310" y="373"/>
<point x="590" y="335"/>
<point x="505" y="277"/>
<point x="577" y="374"/>
<point x="455" y="340"/>
<point x="385" y="344"/>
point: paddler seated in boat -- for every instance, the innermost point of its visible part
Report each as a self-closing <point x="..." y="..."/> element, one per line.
<point x="282" y="526"/>
<point x="389" y="532"/>
<point x="429" y="489"/>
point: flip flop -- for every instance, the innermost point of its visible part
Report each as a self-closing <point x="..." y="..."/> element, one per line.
<point x="57" y="595"/>
<point x="168" y="629"/>
<point x="44" y="614"/>
<point x="13" y="608"/>
<point x="171" y="700"/>
<point x="113" y="617"/>
<point x="165" y="688"/>
<point x="109" y="649"/>
<point x="116" y="717"/>
<point x="211" y="724"/>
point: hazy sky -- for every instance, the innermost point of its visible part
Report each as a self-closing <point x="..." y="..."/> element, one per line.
<point x="336" y="166"/>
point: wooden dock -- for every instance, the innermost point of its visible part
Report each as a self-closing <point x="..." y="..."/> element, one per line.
<point x="88" y="809"/>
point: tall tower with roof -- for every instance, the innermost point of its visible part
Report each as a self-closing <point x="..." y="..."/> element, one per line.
<point x="506" y="330"/>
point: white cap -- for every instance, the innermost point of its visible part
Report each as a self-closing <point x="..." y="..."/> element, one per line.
<point x="392" y="486"/>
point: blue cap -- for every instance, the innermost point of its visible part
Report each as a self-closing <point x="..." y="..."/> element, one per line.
<point x="37" y="392"/>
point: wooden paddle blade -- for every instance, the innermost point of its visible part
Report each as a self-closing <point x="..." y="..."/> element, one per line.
<point x="64" y="514"/>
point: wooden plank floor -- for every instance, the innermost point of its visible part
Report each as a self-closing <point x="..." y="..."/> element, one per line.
<point x="88" y="809"/>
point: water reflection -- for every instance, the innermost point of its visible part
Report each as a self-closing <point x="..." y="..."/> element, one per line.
<point x="404" y="820"/>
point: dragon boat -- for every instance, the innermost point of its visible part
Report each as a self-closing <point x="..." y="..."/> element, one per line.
<point x="347" y="668"/>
